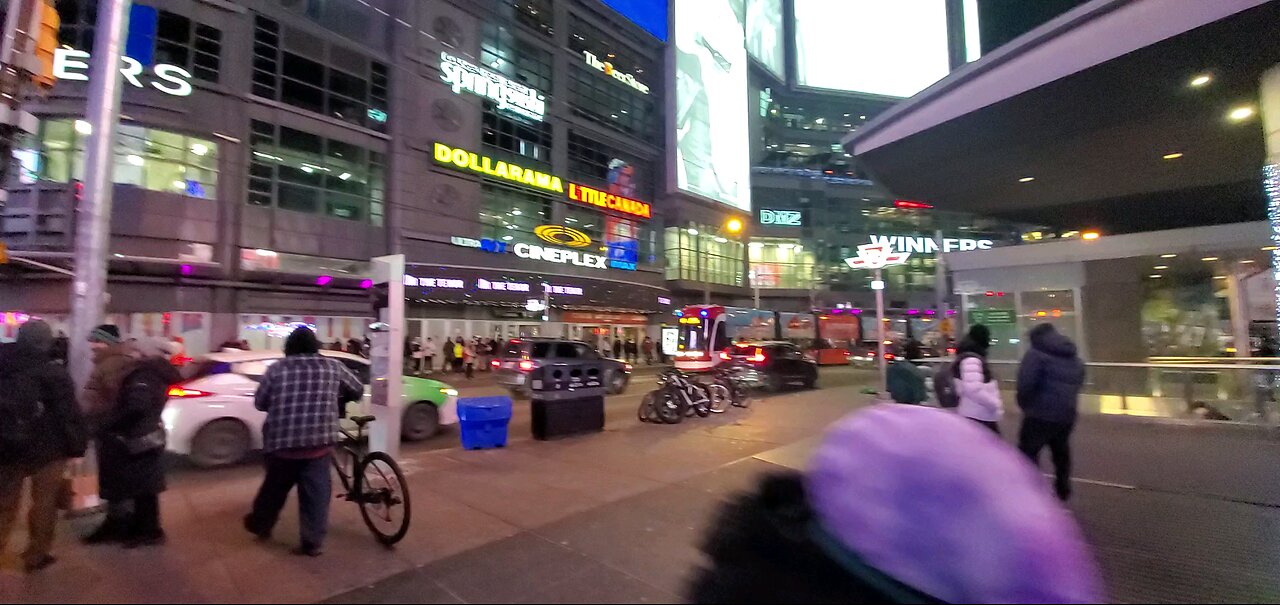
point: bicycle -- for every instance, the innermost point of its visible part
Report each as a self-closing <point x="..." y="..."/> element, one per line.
<point x="379" y="486"/>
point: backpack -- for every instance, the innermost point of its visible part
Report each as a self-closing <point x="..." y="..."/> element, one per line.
<point x="944" y="385"/>
<point x="20" y="407"/>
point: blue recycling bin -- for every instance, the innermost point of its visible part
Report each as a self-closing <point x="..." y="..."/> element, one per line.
<point x="483" y="421"/>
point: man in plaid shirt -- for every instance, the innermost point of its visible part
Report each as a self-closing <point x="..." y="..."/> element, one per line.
<point x="303" y="395"/>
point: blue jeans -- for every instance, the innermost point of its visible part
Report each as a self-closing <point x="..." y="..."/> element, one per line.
<point x="314" y="493"/>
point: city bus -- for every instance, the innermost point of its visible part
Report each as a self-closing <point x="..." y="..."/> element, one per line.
<point x="706" y="330"/>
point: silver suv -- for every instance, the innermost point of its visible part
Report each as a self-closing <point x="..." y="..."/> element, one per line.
<point x="519" y="356"/>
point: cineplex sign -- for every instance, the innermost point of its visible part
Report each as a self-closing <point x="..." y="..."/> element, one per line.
<point x="471" y="161"/>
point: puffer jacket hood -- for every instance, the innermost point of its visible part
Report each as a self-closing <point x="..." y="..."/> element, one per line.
<point x="1044" y="338"/>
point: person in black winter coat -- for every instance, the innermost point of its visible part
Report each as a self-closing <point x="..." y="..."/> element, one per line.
<point x="1049" y="382"/>
<point x="131" y="444"/>
<point x="45" y="430"/>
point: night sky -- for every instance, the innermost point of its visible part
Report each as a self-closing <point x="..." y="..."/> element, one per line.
<point x="1004" y="20"/>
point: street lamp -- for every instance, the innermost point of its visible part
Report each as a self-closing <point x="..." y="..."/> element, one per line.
<point x="876" y="257"/>
<point x="732" y="226"/>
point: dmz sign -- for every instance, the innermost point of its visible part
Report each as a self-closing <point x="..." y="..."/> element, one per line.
<point x="781" y="218"/>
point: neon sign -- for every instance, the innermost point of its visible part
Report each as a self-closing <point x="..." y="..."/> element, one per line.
<point x="563" y="236"/>
<point x="786" y="218"/>
<point x="70" y="64"/>
<point x="609" y="70"/>
<point x="508" y="286"/>
<point x="927" y="245"/>
<point x="604" y="199"/>
<point x="434" y="282"/>
<point x="564" y="257"/>
<point x="511" y="96"/>
<point x="467" y="160"/>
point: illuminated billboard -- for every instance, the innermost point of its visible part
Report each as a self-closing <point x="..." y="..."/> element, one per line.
<point x="709" y="124"/>
<point x="765" y="35"/>
<point x="881" y="47"/>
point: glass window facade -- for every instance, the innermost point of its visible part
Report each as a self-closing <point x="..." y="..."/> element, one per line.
<point x="696" y="253"/>
<point x="601" y="98"/>
<point x="345" y="85"/>
<point x="509" y="214"/>
<point x="505" y="53"/>
<point x="295" y="170"/>
<point x="780" y="263"/>
<point x="148" y="158"/>
<point x="597" y="164"/>
<point x="537" y="15"/>
<point x="179" y="40"/>
<point x="514" y="139"/>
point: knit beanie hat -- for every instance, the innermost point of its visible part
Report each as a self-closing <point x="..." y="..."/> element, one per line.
<point x="106" y="334"/>
<point x="942" y="505"/>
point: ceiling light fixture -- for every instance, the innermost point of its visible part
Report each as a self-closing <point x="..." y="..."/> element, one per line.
<point x="1160" y="267"/>
<point x="1209" y="259"/>
<point x="1026" y="179"/>
<point x="1268" y="248"/>
<point x="1240" y="114"/>
<point x="1172" y="156"/>
<point x="1155" y="276"/>
<point x="1168" y="255"/>
<point x="1201" y="80"/>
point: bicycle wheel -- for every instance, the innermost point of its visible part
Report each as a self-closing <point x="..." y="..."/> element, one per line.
<point x="669" y="408"/>
<point x="720" y="397"/>
<point x="383" y="496"/>
<point x="647" y="411"/>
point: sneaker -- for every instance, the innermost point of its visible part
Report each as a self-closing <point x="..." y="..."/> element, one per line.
<point x="39" y="563"/>
<point x="148" y="539"/>
<point x="308" y="550"/>
<point x="257" y="533"/>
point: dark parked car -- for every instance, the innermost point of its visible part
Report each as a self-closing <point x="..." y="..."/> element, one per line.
<point x="776" y="364"/>
<point x="519" y="356"/>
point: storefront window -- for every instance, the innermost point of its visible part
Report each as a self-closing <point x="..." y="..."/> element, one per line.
<point x="179" y="40"/>
<point x="505" y="53"/>
<point x="149" y="158"/>
<point x="695" y="252"/>
<point x="780" y="263"/>
<point x="594" y="163"/>
<point x="295" y="170"/>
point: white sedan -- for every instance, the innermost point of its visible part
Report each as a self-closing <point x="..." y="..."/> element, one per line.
<point x="211" y="419"/>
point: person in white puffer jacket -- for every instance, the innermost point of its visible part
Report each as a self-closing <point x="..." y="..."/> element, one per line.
<point x="976" y="387"/>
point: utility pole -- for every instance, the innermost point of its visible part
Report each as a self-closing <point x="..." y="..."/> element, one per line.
<point x="93" y="217"/>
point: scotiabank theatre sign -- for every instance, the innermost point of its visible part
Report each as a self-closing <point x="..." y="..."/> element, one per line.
<point x="483" y="164"/>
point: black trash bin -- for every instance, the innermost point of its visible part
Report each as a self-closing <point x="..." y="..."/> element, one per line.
<point x="567" y="399"/>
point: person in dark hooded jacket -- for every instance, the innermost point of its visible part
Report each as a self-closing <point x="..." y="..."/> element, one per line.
<point x="130" y="398"/>
<point x="1049" y="382"/>
<point x="54" y="432"/>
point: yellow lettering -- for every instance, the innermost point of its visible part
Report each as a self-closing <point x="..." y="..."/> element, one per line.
<point x="486" y="164"/>
<point x="556" y="185"/>
<point x="473" y="161"/>
<point x="502" y="170"/>
<point x="544" y="181"/>
<point x="460" y="158"/>
<point x="528" y="178"/>
<point x="443" y="153"/>
<point x="515" y="172"/>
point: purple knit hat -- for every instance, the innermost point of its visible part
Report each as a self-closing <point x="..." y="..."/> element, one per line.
<point x="940" y="504"/>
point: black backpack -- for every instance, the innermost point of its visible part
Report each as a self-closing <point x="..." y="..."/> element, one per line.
<point x="944" y="385"/>
<point x="20" y="410"/>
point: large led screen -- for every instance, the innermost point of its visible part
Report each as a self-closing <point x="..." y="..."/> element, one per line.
<point x="764" y="35"/>
<point x="882" y="47"/>
<point x="710" y="119"/>
<point x="651" y="15"/>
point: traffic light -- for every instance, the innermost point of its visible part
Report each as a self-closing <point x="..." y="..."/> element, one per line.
<point x="46" y="43"/>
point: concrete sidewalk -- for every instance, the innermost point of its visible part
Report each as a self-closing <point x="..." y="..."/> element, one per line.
<point x="461" y="500"/>
<point x="1175" y="514"/>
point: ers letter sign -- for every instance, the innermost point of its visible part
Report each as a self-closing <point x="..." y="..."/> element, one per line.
<point x="69" y="64"/>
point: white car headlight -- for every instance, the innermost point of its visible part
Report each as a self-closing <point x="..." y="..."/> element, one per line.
<point x="169" y="417"/>
<point x="450" y="392"/>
